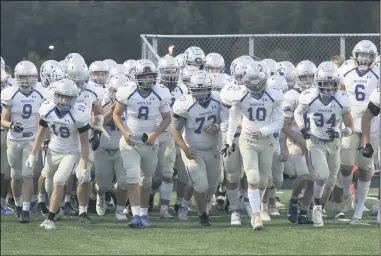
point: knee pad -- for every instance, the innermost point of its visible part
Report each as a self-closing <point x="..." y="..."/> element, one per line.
<point x="231" y="186"/>
<point x="201" y="186"/>
<point x="49" y="186"/>
<point x="167" y="179"/>
<point x="263" y="183"/>
<point x="320" y="182"/>
<point x="254" y="179"/>
<point x="346" y="170"/>
<point x="145" y="182"/>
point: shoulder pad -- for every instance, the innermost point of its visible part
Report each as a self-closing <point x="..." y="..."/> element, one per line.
<point x="375" y="97"/>
<point x="231" y="93"/>
<point x="97" y="89"/>
<point x="123" y="93"/>
<point x="291" y="95"/>
<point x="163" y="92"/>
<point x="46" y="107"/>
<point x="183" y="87"/>
<point x="182" y="104"/>
<point x="216" y="96"/>
<point x="7" y="94"/>
<point x="308" y="95"/>
<point x="276" y="94"/>
<point x="81" y="113"/>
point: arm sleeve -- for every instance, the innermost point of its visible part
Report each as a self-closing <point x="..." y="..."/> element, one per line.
<point x="234" y="117"/>
<point x="84" y="128"/>
<point x="43" y="123"/>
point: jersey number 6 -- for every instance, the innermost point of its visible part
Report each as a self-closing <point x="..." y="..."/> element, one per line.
<point x="360" y="96"/>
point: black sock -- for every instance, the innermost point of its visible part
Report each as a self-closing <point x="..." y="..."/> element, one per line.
<point x="51" y="216"/>
<point x="302" y="212"/>
<point x="317" y="201"/>
<point x="294" y="201"/>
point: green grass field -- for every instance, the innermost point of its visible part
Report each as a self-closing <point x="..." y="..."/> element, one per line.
<point x="172" y="237"/>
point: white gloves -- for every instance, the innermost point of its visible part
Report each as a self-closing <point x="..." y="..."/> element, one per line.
<point x="31" y="161"/>
<point x="83" y="177"/>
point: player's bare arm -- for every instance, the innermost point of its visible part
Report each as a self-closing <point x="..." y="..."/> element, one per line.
<point x="5" y="114"/>
<point x="117" y="116"/>
<point x="107" y="117"/>
<point x="348" y="122"/>
<point x="178" y="125"/>
<point x="83" y="137"/>
<point x="152" y="136"/>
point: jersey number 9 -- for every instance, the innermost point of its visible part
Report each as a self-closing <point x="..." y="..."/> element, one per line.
<point x="26" y="111"/>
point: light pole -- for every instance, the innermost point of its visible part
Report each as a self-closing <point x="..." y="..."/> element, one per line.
<point x="51" y="47"/>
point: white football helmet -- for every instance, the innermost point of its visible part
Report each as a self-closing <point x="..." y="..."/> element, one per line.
<point x="277" y="82"/>
<point x="270" y="66"/>
<point x="78" y="71"/>
<point x="114" y="83"/>
<point x="110" y="63"/>
<point x="65" y="94"/>
<point x="187" y="72"/>
<point x="377" y="59"/>
<point x="364" y="54"/>
<point x="255" y="78"/>
<point x="26" y="75"/>
<point x="214" y="63"/>
<point x="304" y="73"/>
<point x="58" y="74"/>
<point x="286" y="69"/>
<point x="46" y="72"/>
<point x="99" y="72"/>
<point x="240" y="68"/>
<point x="63" y="64"/>
<point x="169" y="71"/>
<point x="327" y="78"/>
<point x="117" y="69"/>
<point x="144" y="74"/>
<point x="74" y="56"/>
<point x="4" y="77"/>
<point x="127" y="65"/>
<point x="200" y="86"/>
<point x="180" y="59"/>
<point x="194" y="56"/>
<point x="218" y="81"/>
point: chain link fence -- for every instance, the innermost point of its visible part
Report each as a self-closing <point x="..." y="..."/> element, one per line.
<point x="292" y="47"/>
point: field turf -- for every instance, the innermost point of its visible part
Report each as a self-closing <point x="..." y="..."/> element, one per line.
<point x="174" y="237"/>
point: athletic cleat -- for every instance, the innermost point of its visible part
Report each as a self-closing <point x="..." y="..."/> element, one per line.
<point x="204" y="220"/>
<point x="213" y="200"/>
<point x="365" y="209"/>
<point x="278" y="204"/>
<point x="164" y="214"/>
<point x="18" y="212"/>
<point x="6" y="211"/>
<point x="235" y="219"/>
<point x="317" y="216"/>
<point x="256" y="221"/>
<point x="292" y="214"/>
<point x="264" y="212"/>
<point x="136" y="222"/>
<point x="67" y="210"/>
<point x="182" y="213"/>
<point x="101" y="209"/>
<point x="150" y="202"/>
<point x="176" y="208"/>
<point x="48" y="224"/>
<point x="84" y="218"/>
<point x="191" y="210"/>
<point x="58" y="215"/>
<point x="146" y="223"/>
<point x="358" y="222"/>
<point x="346" y="203"/>
<point x="375" y="208"/>
<point x="74" y="202"/>
<point x="24" y="217"/>
<point x="220" y="200"/>
<point x="42" y="208"/>
<point x="120" y="215"/>
<point x="75" y="212"/>
<point x="273" y="211"/>
<point x="303" y="218"/>
<point x="340" y="216"/>
<point x="246" y="206"/>
<point x="11" y="204"/>
<point x="92" y="206"/>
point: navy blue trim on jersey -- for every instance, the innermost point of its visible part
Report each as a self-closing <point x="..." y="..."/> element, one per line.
<point x="244" y="97"/>
<point x="38" y="93"/>
<point x="72" y="118"/>
<point x="318" y="97"/>
<point x="58" y="114"/>
<point x="350" y="71"/>
<point x="215" y="100"/>
<point x="156" y="94"/>
<point x="268" y="95"/>
<point x="191" y="106"/>
<point x="338" y="102"/>
<point x="96" y="95"/>
<point x="297" y="89"/>
<point x="14" y="95"/>
<point x="374" y="74"/>
<point x="132" y="94"/>
<point x="141" y="95"/>
<point x="206" y="104"/>
<point x="330" y="100"/>
<point x="180" y="90"/>
<point x="50" y="112"/>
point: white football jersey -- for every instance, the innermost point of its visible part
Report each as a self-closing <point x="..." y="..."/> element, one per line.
<point x="110" y="132"/>
<point x="197" y="118"/>
<point x="10" y="82"/>
<point x="360" y="86"/>
<point x="324" y="117"/>
<point x="228" y="93"/>
<point x="64" y="129"/>
<point x="263" y="114"/>
<point x="290" y="103"/>
<point x="23" y="109"/>
<point x="375" y="97"/>
<point x="142" y="112"/>
<point x="91" y="94"/>
<point x="179" y="91"/>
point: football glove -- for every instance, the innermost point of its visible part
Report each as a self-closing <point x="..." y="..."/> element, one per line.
<point x="227" y="150"/>
<point x="95" y="140"/>
<point x="368" y="151"/>
<point x="16" y="127"/>
<point x="306" y="133"/>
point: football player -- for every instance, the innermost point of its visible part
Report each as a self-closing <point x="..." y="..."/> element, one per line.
<point x="69" y="123"/>
<point x="270" y="65"/>
<point x="142" y="104"/>
<point x="186" y="74"/>
<point x="214" y="63"/>
<point x="46" y="72"/>
<point x="194" y="56"/>
<point x="372" y="111"/>
<point x="297" y="163"/>
<point x="286" y="69"/>
<point x="127" y="65"/>
<point x="108" y="161"/>
<point x="359" y="80"/>
<point x="262" y="117"/>
<point x="20" y="105"/>
<point x="326" y="108"/>
<point x="99" y="73"/>
<point x="117" y="69"/>
<point x="198" y="113"/>
<point x="169" y="73"/>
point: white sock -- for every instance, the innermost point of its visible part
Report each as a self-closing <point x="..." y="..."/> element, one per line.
<point x="67" y="198"/>
<point x="166" y="190"/>
<point x="261" y="193"/>
<point x="34" y="198"/>
<point x="41" y="198"/>
<point x="318" y="190"/>
<point x="18" y="202"/>
<point x="135" y="210"/>
<point x="233" y="198"/>
<point x="3" y="202"/>
<point x="254" y="199"/>
<point x="82" y="209"/>
<point x="272" y="193"/>
<point x="347" y="182"/>
<point x="143" y="212"/>
<point x="119" y="208"/>
<point x="222" y="188"/>
<point x="93" y="196"/>
<point x="178" y="200"/>
<point x="101" y="198"/>
<point x="184" y="203"/>
<point x="362" y="193"/>
<point x="26" y="206"/>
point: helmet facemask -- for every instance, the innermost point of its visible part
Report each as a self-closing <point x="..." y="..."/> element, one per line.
<point x="364" y="60"/>
<point x="169" y="77"/>
<point x="64" y="102"/>
<point x="202" y="94"/>
<point x="27" y="83"/>
<point x="211" y="69"/>
<point x="99" y="77"/>
<point x="328" y="87"/>
<point x="146" y="81"/>
<point x="305" y="82"/>
<point x="254" y="85"/>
